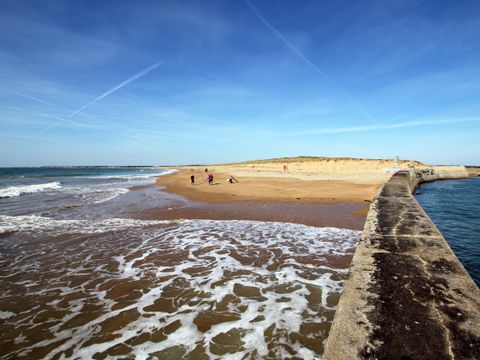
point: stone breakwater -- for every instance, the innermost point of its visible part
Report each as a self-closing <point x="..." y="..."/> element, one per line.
<point x="407" y="296"/>
<point x="473" y="171"/>
<point x="438" y="173"/>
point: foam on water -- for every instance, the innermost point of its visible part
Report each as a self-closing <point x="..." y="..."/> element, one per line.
<point x="96" y="194"/>
<point x="13" y="191"/>
<point x="189" y="288"/>
<point x="6" y="314"/>
<point x="32" y="223"/>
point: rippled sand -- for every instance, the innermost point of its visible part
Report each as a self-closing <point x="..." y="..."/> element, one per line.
<point x="194" y="289"/>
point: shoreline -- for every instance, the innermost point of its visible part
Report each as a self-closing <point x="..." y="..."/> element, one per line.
<point x="266" y="195"/>
<point x="310" y="191"/>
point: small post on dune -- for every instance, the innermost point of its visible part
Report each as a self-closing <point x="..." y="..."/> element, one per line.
<point x="396" y="164"/>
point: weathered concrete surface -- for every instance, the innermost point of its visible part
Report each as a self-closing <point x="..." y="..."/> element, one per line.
<point x="407" y="296"/>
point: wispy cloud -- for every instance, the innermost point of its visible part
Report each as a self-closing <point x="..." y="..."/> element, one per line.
<point x="45" y="129"/>
<point x="32" y="31"/>
<point x="119" y="86"/>
<point x="34" y="136"/>
<point x="33" y="98"/>
<point x="44" y="102"/>
<point x="59" y="120"/>
<point x="397" y="125"/>
<point x="70" y="122"/>
<point x="307" y="61"/>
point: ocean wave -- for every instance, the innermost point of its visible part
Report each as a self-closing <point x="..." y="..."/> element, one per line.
<point x="95" y="194"/>
<point x="13" y="191"/>
<point x="267" y="229"/>
<point x="109" y="195"/>
<point x="100" y="193"/>
<point x="31" y="223"/>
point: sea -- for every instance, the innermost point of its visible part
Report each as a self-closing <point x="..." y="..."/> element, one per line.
<point x="84" y="276"/>
<point x="454" y="207"/>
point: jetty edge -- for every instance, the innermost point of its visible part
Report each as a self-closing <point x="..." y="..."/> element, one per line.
<point x="407" y="295"/>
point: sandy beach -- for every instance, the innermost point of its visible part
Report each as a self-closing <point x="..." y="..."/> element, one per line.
<point x="305" y="180"/>
<point x="311" y="191"/>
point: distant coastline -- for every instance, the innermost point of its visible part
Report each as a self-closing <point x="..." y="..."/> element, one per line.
<point x="473" y="170"/>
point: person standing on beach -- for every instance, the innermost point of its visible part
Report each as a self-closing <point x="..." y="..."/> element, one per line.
<point x="210" y="179"/>
<point x="192" y="179"/>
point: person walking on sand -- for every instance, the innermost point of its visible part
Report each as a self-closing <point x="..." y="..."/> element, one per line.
<point x="210" y="179"/>
<point x="192" y="179"/>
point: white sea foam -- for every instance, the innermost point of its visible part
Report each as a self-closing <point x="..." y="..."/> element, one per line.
<point x="130" y="176"/>
<point x="100" y="193"/>
<point x="195" y="266"/>
<point x="13" y="191"/>
<point x="32" y="223"/>
<point x="96" y="194"/>
<point x="6" y="314"/>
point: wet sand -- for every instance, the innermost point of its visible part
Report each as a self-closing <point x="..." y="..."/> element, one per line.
<point x="341" y="215"/>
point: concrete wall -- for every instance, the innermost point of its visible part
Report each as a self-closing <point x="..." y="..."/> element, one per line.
<point x="407" y="296"/>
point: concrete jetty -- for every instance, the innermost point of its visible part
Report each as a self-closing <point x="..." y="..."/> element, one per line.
<point x="407" y="296"/>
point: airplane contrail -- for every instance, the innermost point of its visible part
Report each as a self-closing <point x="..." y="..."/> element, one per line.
<point x="41" y="101"/>
<point x="44" y="130"/>
<point x="69" y="121"/>
<point x="297" y="52"/>
<point x="119" y="86"/>
<point x="33" y="98"/>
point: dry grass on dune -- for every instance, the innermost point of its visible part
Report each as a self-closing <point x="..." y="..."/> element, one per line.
<point x="320" y="168"/>
<point x="307" y="159"/>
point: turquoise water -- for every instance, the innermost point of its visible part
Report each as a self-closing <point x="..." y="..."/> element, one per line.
<point x="454" y="207"/>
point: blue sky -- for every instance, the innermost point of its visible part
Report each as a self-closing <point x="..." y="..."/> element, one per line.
<point x="181" y="82"/>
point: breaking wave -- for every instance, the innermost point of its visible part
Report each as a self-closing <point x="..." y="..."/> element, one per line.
<point x="12" y="191"/>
